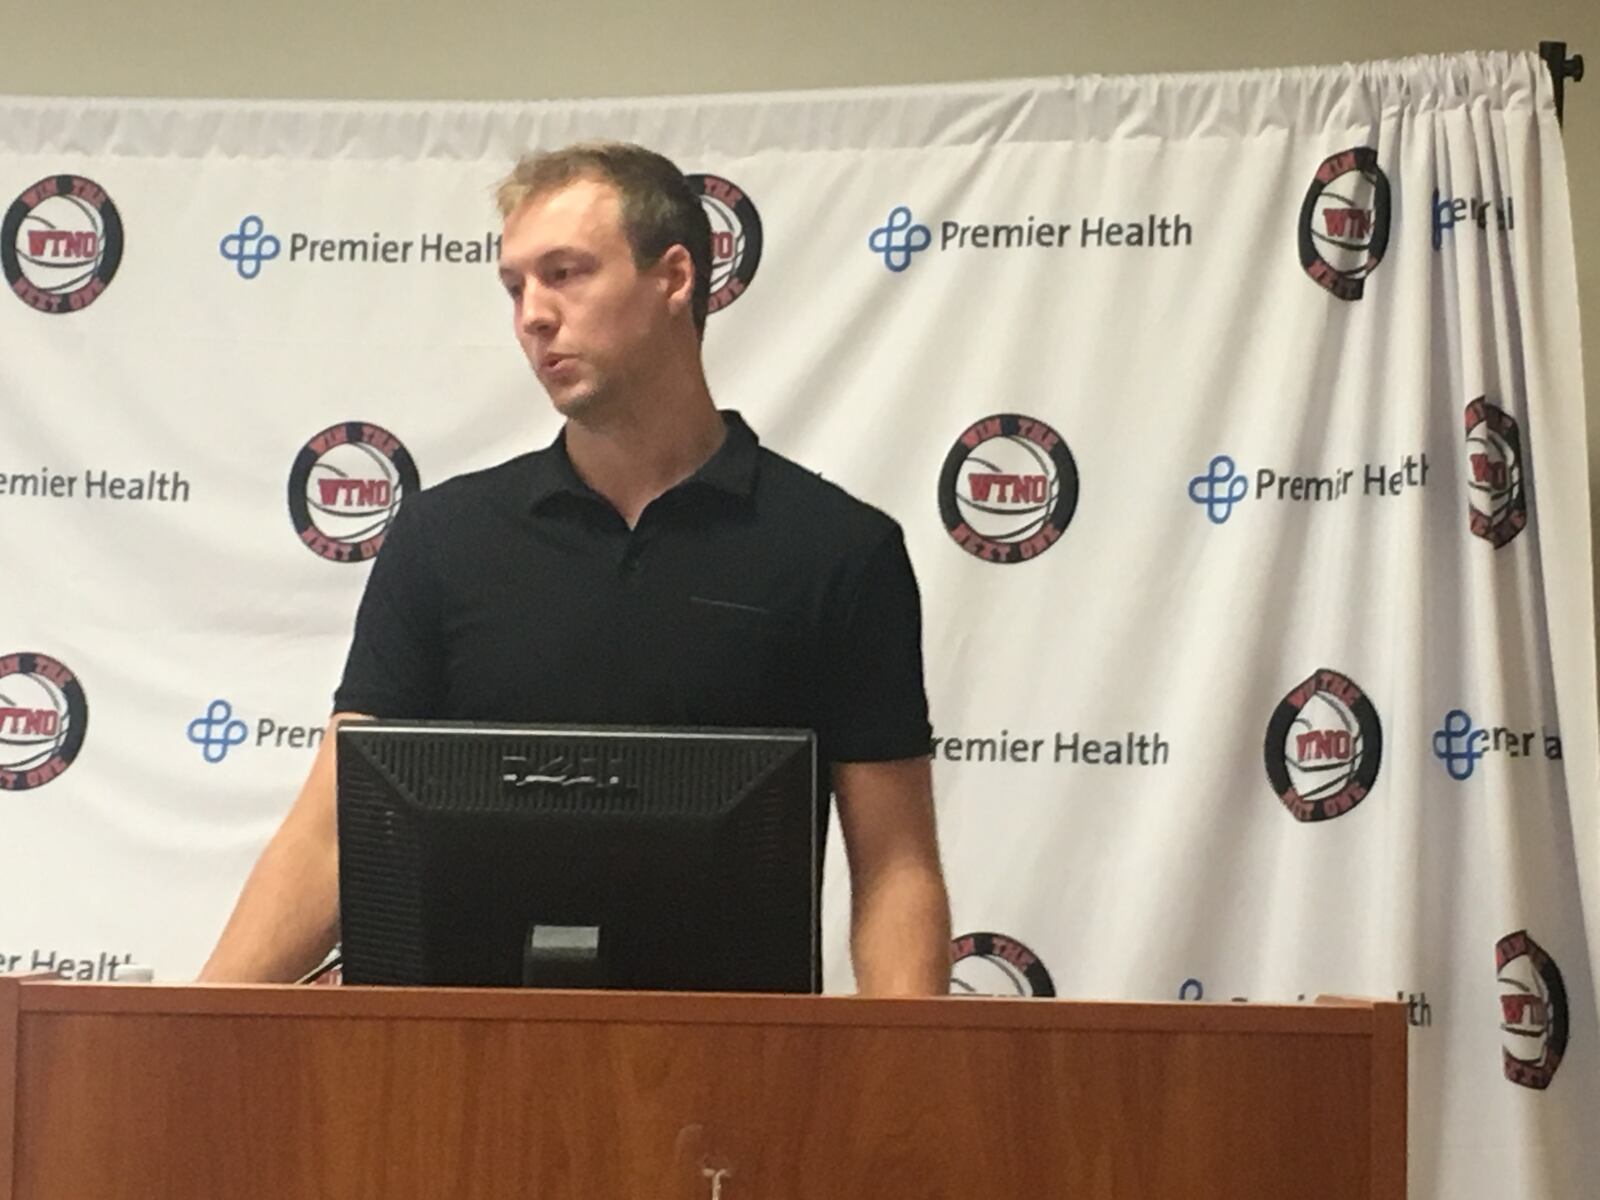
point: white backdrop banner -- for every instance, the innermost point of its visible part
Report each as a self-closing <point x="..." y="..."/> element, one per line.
<point x="1235" y="423"/>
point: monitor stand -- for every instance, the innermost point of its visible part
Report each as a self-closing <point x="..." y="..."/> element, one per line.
<point x="563" y="956"/>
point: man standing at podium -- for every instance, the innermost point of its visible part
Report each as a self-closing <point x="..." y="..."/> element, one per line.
<point x="653" y="566"/>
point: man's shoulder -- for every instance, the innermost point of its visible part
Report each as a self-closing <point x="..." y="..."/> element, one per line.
<point x="474" y="492"/>
<point x="822" y="508"/>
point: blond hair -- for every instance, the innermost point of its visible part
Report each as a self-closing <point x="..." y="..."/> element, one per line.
<point x="660" y="208"/>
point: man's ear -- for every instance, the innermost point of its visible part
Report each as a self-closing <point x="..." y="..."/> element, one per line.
<point x="676" y="268"/>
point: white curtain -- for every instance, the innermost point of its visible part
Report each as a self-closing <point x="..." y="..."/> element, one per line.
<point x="1235" y="423"/>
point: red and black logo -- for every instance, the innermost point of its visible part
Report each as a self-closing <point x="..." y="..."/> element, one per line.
<point x="43" y="719"/>
<point x="1344" y="221"/>
<point x="735" y="238"/>
<point x="991" y="964"/>
<point x="1533" y="1010"/>
<point x="345" y="487"/>
<point x="1497" y="505"/>
<point x="61" y="243"/>
<point x="1008" y="489"/>
<point x="1324" y="744"/>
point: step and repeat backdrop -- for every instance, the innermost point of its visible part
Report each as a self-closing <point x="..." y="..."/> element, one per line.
<point x="1235" y="423"/>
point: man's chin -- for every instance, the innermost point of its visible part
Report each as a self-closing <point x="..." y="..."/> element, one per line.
<point x="571" y="402"/>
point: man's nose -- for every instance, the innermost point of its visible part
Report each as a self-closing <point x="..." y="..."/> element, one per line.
<point x="537" y="314"/>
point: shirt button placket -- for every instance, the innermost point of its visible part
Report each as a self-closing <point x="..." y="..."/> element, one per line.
<point x="630" y="556"/>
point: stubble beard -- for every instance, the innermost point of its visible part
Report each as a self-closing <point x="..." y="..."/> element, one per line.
<point x="584" y="402"/>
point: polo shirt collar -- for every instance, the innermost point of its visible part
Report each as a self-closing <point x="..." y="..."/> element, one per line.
<point x="732" y="469"/>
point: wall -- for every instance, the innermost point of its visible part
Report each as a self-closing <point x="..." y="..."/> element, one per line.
<point x="494" y="50"/>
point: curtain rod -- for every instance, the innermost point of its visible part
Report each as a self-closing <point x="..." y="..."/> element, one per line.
<point x="1562" y="69"/>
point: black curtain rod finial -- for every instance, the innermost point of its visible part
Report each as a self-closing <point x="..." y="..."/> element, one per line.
<point x="1562" y="69"/>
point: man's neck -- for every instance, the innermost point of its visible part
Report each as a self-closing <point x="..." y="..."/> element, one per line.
<point x="643" y="452"/>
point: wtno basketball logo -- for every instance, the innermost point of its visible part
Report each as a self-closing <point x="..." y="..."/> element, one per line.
<point x="1497" y="505"/>
<point x="991" y="964"/>
<point x="1324" y="744"/>
<point x="735" y="238"/>
<point x="61" y="244"/>
<point x="1534" y="1020"/>
<point x="1008" y="489"/>
<point x="345" y="487"/>
<point x="43" y="719"/>
<point x="1344" y="222"/>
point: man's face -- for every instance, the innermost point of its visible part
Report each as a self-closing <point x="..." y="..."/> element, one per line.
<point x="587" y="318"/>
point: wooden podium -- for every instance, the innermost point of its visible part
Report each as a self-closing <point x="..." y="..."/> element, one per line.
<point x="110" y="1092"/>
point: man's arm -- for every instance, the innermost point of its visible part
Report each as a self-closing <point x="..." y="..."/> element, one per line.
<point x="287" y="917"/>
<point x="899" y="912"/>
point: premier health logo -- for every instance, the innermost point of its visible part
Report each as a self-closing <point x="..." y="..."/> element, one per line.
<point x="1225" y="484"/>
<point x="902" y="237"/>
<point x="249" y="246"/>
<point x="1460" y="744"/>
<point x="899" y="238"/>
<point x="1219" y="489"/>
<point x="218" y="731"/>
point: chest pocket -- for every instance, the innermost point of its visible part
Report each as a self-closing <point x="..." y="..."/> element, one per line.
<point x="736" y="665"/>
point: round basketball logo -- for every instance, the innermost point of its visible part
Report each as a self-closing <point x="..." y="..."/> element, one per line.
<point x="1497" y="506"/>
<point x="1533" y="1011"/>
<point x="345" y="487"/>
<point x="991" y="964"/>
<point x="43" y="719"/>
<point x="735" y="238"/>
<point x="1344" y="222"/>
<point x="1323" y="747"/>
<point x="61" y="243"/>
<point x="1008" y="489"/>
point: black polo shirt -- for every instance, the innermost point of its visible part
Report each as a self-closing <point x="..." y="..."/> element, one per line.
<point x="754" y="594"/>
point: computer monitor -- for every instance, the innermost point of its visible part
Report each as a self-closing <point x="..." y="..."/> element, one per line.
<point x="560" y="856"/>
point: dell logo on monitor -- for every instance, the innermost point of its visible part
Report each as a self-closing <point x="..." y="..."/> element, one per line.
<point x="564" y="771"/>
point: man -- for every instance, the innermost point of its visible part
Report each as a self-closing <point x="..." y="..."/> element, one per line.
<point x="654" y="565"/>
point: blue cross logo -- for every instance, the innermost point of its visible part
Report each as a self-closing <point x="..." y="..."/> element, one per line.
<point x="249" y="247"/>
<point x="898" y="238"/>
<point x="1219" y="489"/>
<point x="217" y="732"/>
<point x="1457" y="744"/>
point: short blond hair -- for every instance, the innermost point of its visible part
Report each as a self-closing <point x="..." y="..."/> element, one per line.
<point x="660" y="208"/>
